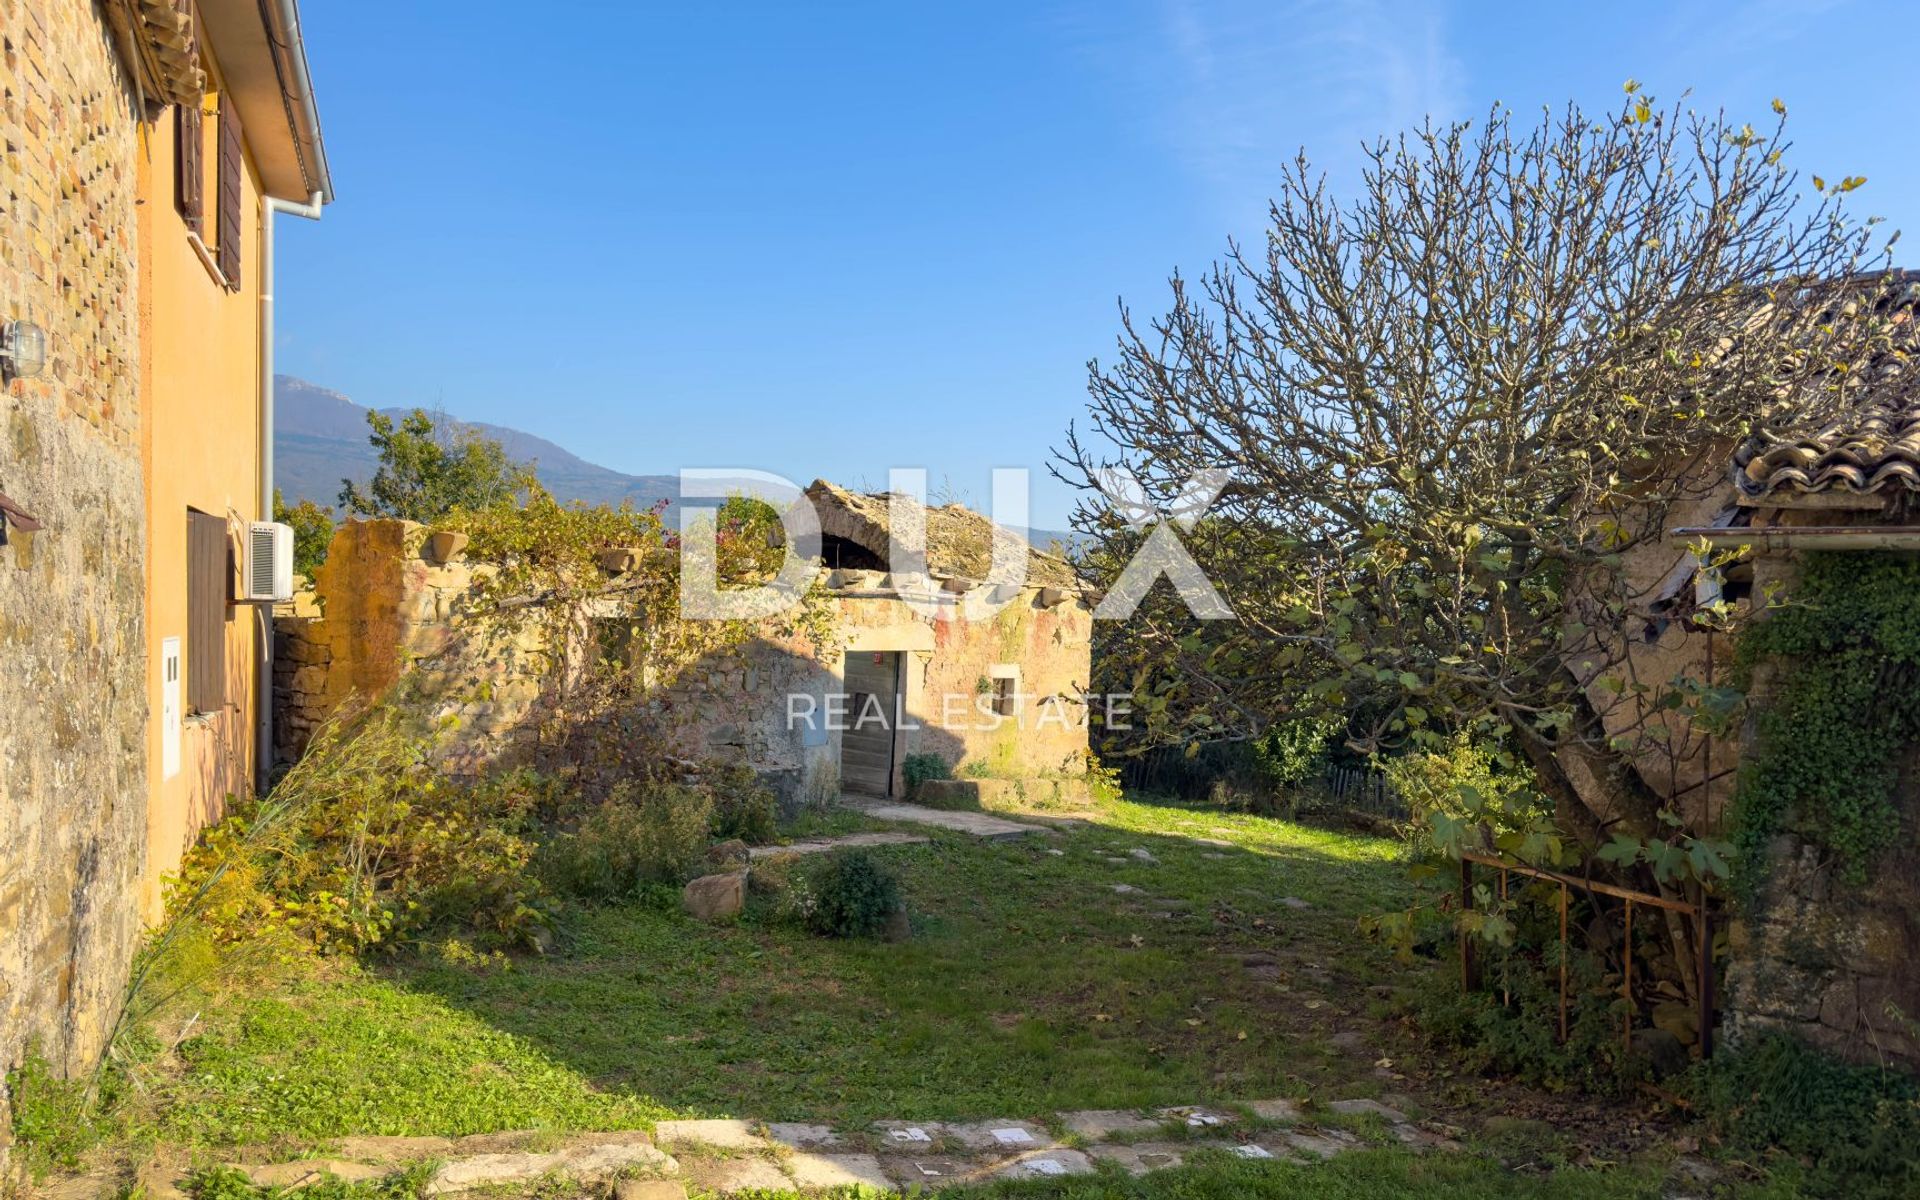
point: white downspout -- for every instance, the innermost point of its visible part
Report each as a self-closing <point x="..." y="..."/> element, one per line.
<point x="263" y="693"/>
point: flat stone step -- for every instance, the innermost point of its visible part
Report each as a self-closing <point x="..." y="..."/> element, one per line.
<point x="728" y="1156"/>
<point x="827" y="845"/>
<point x="721" y="1134"/>
<point x="589" y="1161"/>
<point x="980" y="825"/>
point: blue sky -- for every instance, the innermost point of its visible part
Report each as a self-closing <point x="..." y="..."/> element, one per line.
<point x="831" y="238"/>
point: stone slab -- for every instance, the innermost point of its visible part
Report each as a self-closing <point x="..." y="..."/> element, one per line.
<point x="1318" y="1145"/>
<point x="394" y="1149"/>
<point x="829" y="845"/>
<point x="1099" y="1124"/>
<point x="980" y="825"/>
<point x="908" y="1136"/>
<point x="313" y="1170"/>
<point x="1142" y="1157"/>
<point x="1195" y="1117"/>
<point x="837" y="1171"/>
<point x="485" y="1170"/>
<point x="648" y="1189"/>
<point x="1043" y="1164"/>
<point x="1361" y="1107"/>
<point x="1276" y="1110"/>
<point x="720" y="1134"/>
<point x="928" y="1171"/>
<point x="597" y="1161"/>
<point x="584" y="1161"/>
<point x="744" y="1175"/>
<point x="797" y="1135"/>
<point x="1000" y="1137"/>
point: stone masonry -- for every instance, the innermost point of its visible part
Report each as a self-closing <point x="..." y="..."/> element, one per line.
<point x="380" y="610"/>
<point x="73" y="755"/>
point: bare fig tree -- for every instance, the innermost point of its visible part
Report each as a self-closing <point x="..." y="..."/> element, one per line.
<point x="1451" y="405"/>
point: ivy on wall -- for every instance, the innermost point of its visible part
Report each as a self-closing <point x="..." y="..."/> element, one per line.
<point x="1844" y="703"/>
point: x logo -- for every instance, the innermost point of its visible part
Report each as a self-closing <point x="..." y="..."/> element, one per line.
<point x="1163" y="553"/>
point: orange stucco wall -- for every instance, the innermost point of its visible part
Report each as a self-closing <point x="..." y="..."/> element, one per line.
<point x="201" y="447"/>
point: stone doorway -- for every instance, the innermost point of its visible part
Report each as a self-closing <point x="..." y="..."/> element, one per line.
<point x="872" y="691"/>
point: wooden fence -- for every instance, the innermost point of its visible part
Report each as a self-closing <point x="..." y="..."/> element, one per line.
<point x="1358" y="789"/>
<point x="1229" y="770"/>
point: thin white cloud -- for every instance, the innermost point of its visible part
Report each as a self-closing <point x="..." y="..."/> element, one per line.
<point x="1234" y="88"/>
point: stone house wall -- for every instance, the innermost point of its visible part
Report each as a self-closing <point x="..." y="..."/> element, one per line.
<point x="1836" y="965"/>
<point x="740" y="708"/>
<point x="72" y="687"/>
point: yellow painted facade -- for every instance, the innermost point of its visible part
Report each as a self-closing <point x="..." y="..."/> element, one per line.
<point x="201" y="451"/>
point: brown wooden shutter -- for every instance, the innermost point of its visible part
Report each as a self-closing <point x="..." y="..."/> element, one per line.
<point x="189" y="177"/>
<point x="232" y="171"/>
<point x="209" y="580"/>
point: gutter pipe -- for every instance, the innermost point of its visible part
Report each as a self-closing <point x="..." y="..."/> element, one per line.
<point x="263" y="686"/>
<point x="1780" y="538"/>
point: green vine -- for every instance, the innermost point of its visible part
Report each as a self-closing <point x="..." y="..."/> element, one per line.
<point x="1842" y="707"/>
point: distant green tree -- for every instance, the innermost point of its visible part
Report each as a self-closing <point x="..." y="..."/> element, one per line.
<point x="312" y="531"/>
<point x="428" y="470"/>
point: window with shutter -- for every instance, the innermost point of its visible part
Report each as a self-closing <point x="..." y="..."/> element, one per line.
<point x="209" y="583"/>
<point x="189" y="174"/>
<point x="189" y="182"/>
<point x="232" y="170"/>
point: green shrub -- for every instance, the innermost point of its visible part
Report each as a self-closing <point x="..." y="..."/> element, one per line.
<point x="1854" y="1130"/>
<point x="644" y="836"/>
<point x="1292" y="752"/>
<point x="230" y="1183"/>
<point x="364" y="843"/>
<point x="1469" y="787"/>
<point x="852" y="895"/>
<point x="743" y="807"/>
<point x="1510" y="1025"/>
<point x="782" y="886"/>
<point x="919" y="768"/>
<point x="53" y="1124"/>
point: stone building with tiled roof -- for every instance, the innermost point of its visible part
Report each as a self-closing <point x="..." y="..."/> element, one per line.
<point x="1837" y="966"/>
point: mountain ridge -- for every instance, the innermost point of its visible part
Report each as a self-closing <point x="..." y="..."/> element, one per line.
<point x="320" y="438"/>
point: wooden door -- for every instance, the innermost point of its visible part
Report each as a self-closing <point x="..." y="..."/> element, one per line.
<point x="872" y="686"/>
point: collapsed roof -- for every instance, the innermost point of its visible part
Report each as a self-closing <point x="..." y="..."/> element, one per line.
<point x="960" y="542"/>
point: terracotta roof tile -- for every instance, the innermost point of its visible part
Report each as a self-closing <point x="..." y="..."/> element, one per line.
<point x="1870" y="449"/>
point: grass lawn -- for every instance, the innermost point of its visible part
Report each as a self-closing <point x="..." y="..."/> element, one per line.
<point x="1030" y="985"/>
<point x="1358" y="1175"/>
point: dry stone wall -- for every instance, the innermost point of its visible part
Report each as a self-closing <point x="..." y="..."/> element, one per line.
<point x="380" y="608"/>
<point x="73" y="753"/>
<point x="379" y="612"/>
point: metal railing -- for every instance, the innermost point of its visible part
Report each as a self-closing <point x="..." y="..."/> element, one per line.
<point x="1697" y="909"/>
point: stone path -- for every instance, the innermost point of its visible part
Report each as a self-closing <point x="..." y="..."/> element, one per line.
<point x="733" y="1156"/>
<point x="824" y="845"/>
<point x="979" y="824"/>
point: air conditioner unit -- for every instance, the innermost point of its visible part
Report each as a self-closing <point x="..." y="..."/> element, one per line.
<point x="268" y="577"/>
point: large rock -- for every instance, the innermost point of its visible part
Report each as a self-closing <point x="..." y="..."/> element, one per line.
<point x="716" y="897"/>
<point x="732" y="854"/>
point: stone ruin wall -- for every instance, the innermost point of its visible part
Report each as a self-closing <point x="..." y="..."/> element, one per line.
<point x="379" y="603"/>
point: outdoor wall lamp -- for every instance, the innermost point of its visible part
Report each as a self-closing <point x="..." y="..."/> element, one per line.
<point x="24" y="345"/>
